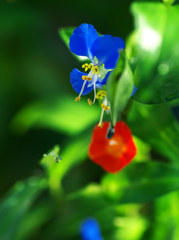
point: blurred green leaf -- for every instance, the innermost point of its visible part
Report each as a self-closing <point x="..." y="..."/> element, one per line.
<point x="141" y="182"/>
<point x="130" y="219"/>
<point x="65" y="34"/>
<point x="119" y="87"/>
<point x="62" y="114"/>
<point x="91" y="202"/>
<point x="33" y="220"/>
<point x="143" y="150"/>
<point x="16" y="204"/>
<point x="168" y="2"/>
<point x="155" y="48"/>
<point x="167" y="212"/>
<point x="84" y="204"/>
<point x="136" y="183"/>
<point x="74" y="152"/>
<point x="156" y="126"/>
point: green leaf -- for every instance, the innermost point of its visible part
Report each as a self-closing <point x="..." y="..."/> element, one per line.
<point x="119" y="87"/>
<point x="141" y="182"/>
<point x="61" y="114"/>
<point x="74" y="153"/>
<point x="156" y="125"/>
<point x="53" y="152"/>
<point x="83" y="204"/>
<point x="167" y="212"/>
<point x="91" y="202"/>
<point x="143" y="150"/>
<point x="33" y="221"/>
<point x="48" y="160"/>
<point x="168" y="2"/>
<point x="16" y="204"/>
<point x="155" y="48"/>
<point x="65" y="34"/>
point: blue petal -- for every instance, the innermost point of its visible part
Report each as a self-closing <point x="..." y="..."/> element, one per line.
<point x="90" y="230"/>
<point x="134" y="90"/>
<point x="106" y="48"/>
<point x="77" y="82"/>
<point x="82" y="40"/>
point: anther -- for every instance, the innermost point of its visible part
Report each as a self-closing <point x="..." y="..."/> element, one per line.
<point x="77" y="99"/>
<point x="104" y="107"/>
<point x="89" y="78"/>
<point x="91" y="66"/>
<point x="89" y="101"/>
<point x="96" y="70"/>
<point x="84" y="77"/>
<point x="101" y="94"/>
<point x="85" y="66"/>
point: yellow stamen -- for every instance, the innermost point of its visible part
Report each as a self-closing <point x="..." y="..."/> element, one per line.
<point x="89" y="101"/>
<point x="104" y="107"/>
<point x="96" y="70"/>
<point x="84" y="77"/>
<point x="101" y="94"/>
<point x="77" y="99"/>
<point x="85" y="66"/>
<point x="91" y="66"/>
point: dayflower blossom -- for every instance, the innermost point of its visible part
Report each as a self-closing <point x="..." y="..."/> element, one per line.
<point x="90" y="230"/>
<point x="103" y="53"/>
<point x="115" y="153"/>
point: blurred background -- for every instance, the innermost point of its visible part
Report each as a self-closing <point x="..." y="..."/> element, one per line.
<point x="37" y="111"/>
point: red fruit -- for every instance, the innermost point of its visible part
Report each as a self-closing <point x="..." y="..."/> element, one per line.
<point x="115" y="153"/>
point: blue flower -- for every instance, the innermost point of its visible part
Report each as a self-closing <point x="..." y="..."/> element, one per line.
<point x="103" y="52"/>
<point x="90" y="230"/>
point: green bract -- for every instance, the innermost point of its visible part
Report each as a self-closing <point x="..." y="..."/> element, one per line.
<point x="120" y="87"/>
